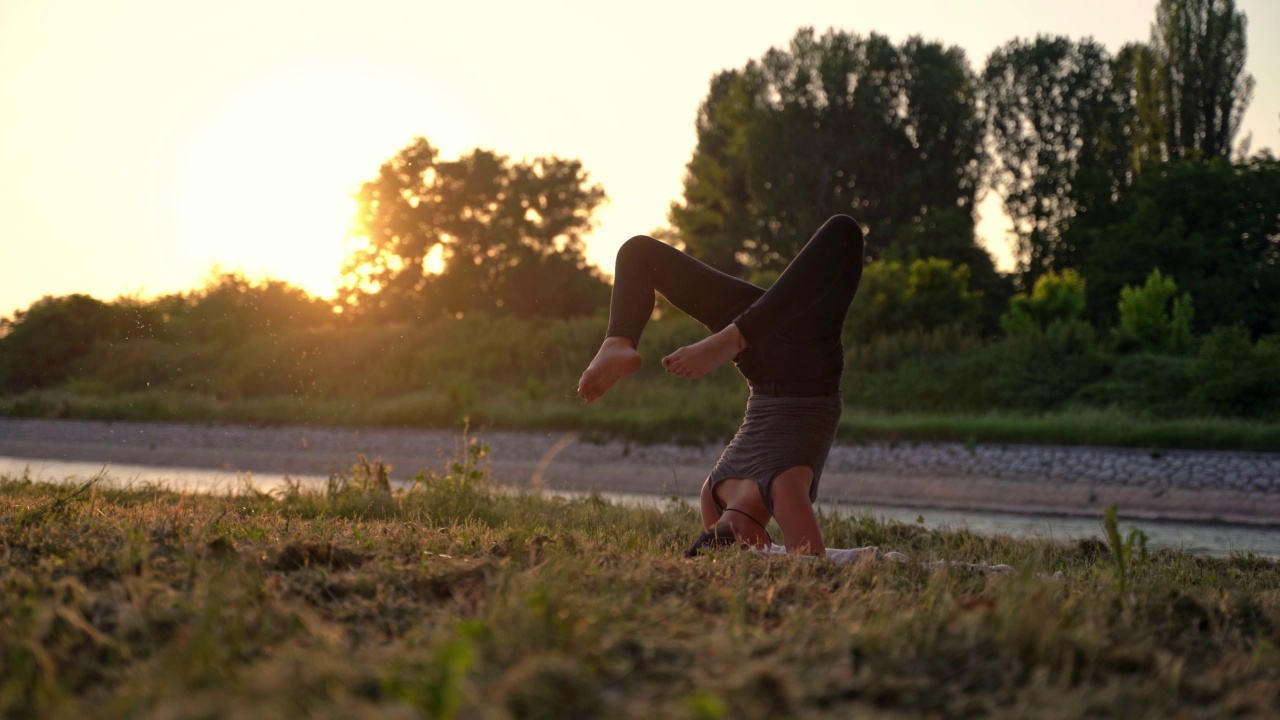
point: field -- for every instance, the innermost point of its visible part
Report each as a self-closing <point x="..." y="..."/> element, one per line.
<point x="455" y="599"/>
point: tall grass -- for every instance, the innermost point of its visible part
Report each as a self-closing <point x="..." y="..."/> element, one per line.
<point x="451" y="600"/>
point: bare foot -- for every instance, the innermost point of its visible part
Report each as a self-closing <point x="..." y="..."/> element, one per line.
<point x="709" y="353"/>
<point x="616" y="359"/>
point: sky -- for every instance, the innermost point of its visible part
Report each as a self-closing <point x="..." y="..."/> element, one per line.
<point x="145" y="142"/>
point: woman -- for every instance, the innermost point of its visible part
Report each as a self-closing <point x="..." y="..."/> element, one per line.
<point x="786" y="343"/>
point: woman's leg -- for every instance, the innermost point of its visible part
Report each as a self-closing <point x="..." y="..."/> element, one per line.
<point x="645" y="266"/>
<point x="811" y="298"/>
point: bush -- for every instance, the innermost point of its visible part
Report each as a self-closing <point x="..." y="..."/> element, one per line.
<point x="1235" y="378"/>
<point x="1054" y="298"/>
<point x="1146" y="383"/>
<point x="921" y="297"/>
<point x="1147" y="323"/>
<point x="42" y="345"/>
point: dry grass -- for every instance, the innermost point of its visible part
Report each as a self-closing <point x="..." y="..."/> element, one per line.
<point x="449" y="600"/>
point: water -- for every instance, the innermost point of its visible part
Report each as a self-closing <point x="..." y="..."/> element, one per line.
<point x="1207" y="539"/>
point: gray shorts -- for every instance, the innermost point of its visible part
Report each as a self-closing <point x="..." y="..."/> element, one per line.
<point x="777" y="434"/>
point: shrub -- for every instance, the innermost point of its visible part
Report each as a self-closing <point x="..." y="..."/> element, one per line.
<point x="1236" y="378"/>
<point x="1054" y="298"/>
<point x="927" y="294"/>
<point x="41" y="345"/>
<point x="1148" y="323"/>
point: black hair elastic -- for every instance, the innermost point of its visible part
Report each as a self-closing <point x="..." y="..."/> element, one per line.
<point x="752" y="519"/>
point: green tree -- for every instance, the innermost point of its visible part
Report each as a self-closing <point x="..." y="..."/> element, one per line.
<point x="836" y="123"/>
<point x="508" y="237"/>
<point x="41" y="345"/>
<point x="1235" y="377"/>
<point x="879" y="307"/>
<point x="230" y="306"/>
<point x="1056" y="298"/>
<point x="1055" y="121"/>
<point x="1147" y="320"/>
<point x="715" y="213"/>
<point x="1202" y="88"/>
<point x="938" y="294"/>
<point x="922" y="296"/>
<point x="1211" y="225"/>
<point x="1137" y="83"/>
<point x="948" y="233"/>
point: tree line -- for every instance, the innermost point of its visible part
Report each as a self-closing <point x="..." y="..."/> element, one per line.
<point x="1134" y="207"/>
<point x="1110" y="165"/>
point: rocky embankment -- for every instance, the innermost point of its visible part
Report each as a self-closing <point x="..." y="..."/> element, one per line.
<point x="1241" y="487"/>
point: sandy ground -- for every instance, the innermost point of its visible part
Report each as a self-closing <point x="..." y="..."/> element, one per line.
<point x="858" y="475"/>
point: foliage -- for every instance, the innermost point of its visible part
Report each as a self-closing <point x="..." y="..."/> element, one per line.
<point x="229" y="306"/>
<point x="1054" y="117"/>
<point x="836" y="123"/>
<point x="949" y="372"/>
<point x="1202" y="90"/>
<point x="508" y="237"/>
<point x="1151" y="384"/>
<point x="40" y="345"/>
<point x="1073" y="128"/>
<point x="1146" y="320"/>
<point x="923" y="296"/>
<point x="1056" y="298"/>
<point x="908" y="352"/>
<point x="1232" y="376"/>
<point x="1210" y="225"/>
<point x="947" y="235"/>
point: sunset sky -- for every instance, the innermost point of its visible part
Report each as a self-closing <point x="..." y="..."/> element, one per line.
<point x="144" y="141"/>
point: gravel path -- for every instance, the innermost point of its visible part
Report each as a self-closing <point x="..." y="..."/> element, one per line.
<point x="1178" y="484"/>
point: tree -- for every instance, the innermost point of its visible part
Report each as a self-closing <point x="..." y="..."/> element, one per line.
<point x="948" y="234"/>
<point x="1213" y="226"/>
<point x="1056" y="298"/>
<point x="1137" y="81"/>
<point x="921" y="296"/>
<point x="832" y="124"/>
<point x="230" y="306"/>
<point x="507" y="237"/>
<point x="1055" y="120"/>
<point x="1072" y="128"/>
<point x="40" y="346"/>
<point x="715" y="214"/>
<point x="1147" y="322"/>
<point x="1202" y="89"/>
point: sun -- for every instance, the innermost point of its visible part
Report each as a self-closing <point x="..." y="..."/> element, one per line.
<point x="267" y="186"/>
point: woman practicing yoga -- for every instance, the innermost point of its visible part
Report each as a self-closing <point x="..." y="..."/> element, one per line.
<point x="785" y="342"/>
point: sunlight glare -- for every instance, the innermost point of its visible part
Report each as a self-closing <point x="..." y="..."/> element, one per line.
<point x="268" y="185"/>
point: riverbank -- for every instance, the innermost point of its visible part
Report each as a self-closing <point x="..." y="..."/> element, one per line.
<point x="1207" y="486"/>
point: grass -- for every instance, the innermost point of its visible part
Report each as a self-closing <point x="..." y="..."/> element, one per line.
<point x="657" y="411"/>
<point x="451" y="599"/>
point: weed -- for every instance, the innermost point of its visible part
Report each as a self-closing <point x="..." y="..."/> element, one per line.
<point x="1122" y="548"/>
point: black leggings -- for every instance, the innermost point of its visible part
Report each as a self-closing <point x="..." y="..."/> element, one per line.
<point x="792" y="329"/>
